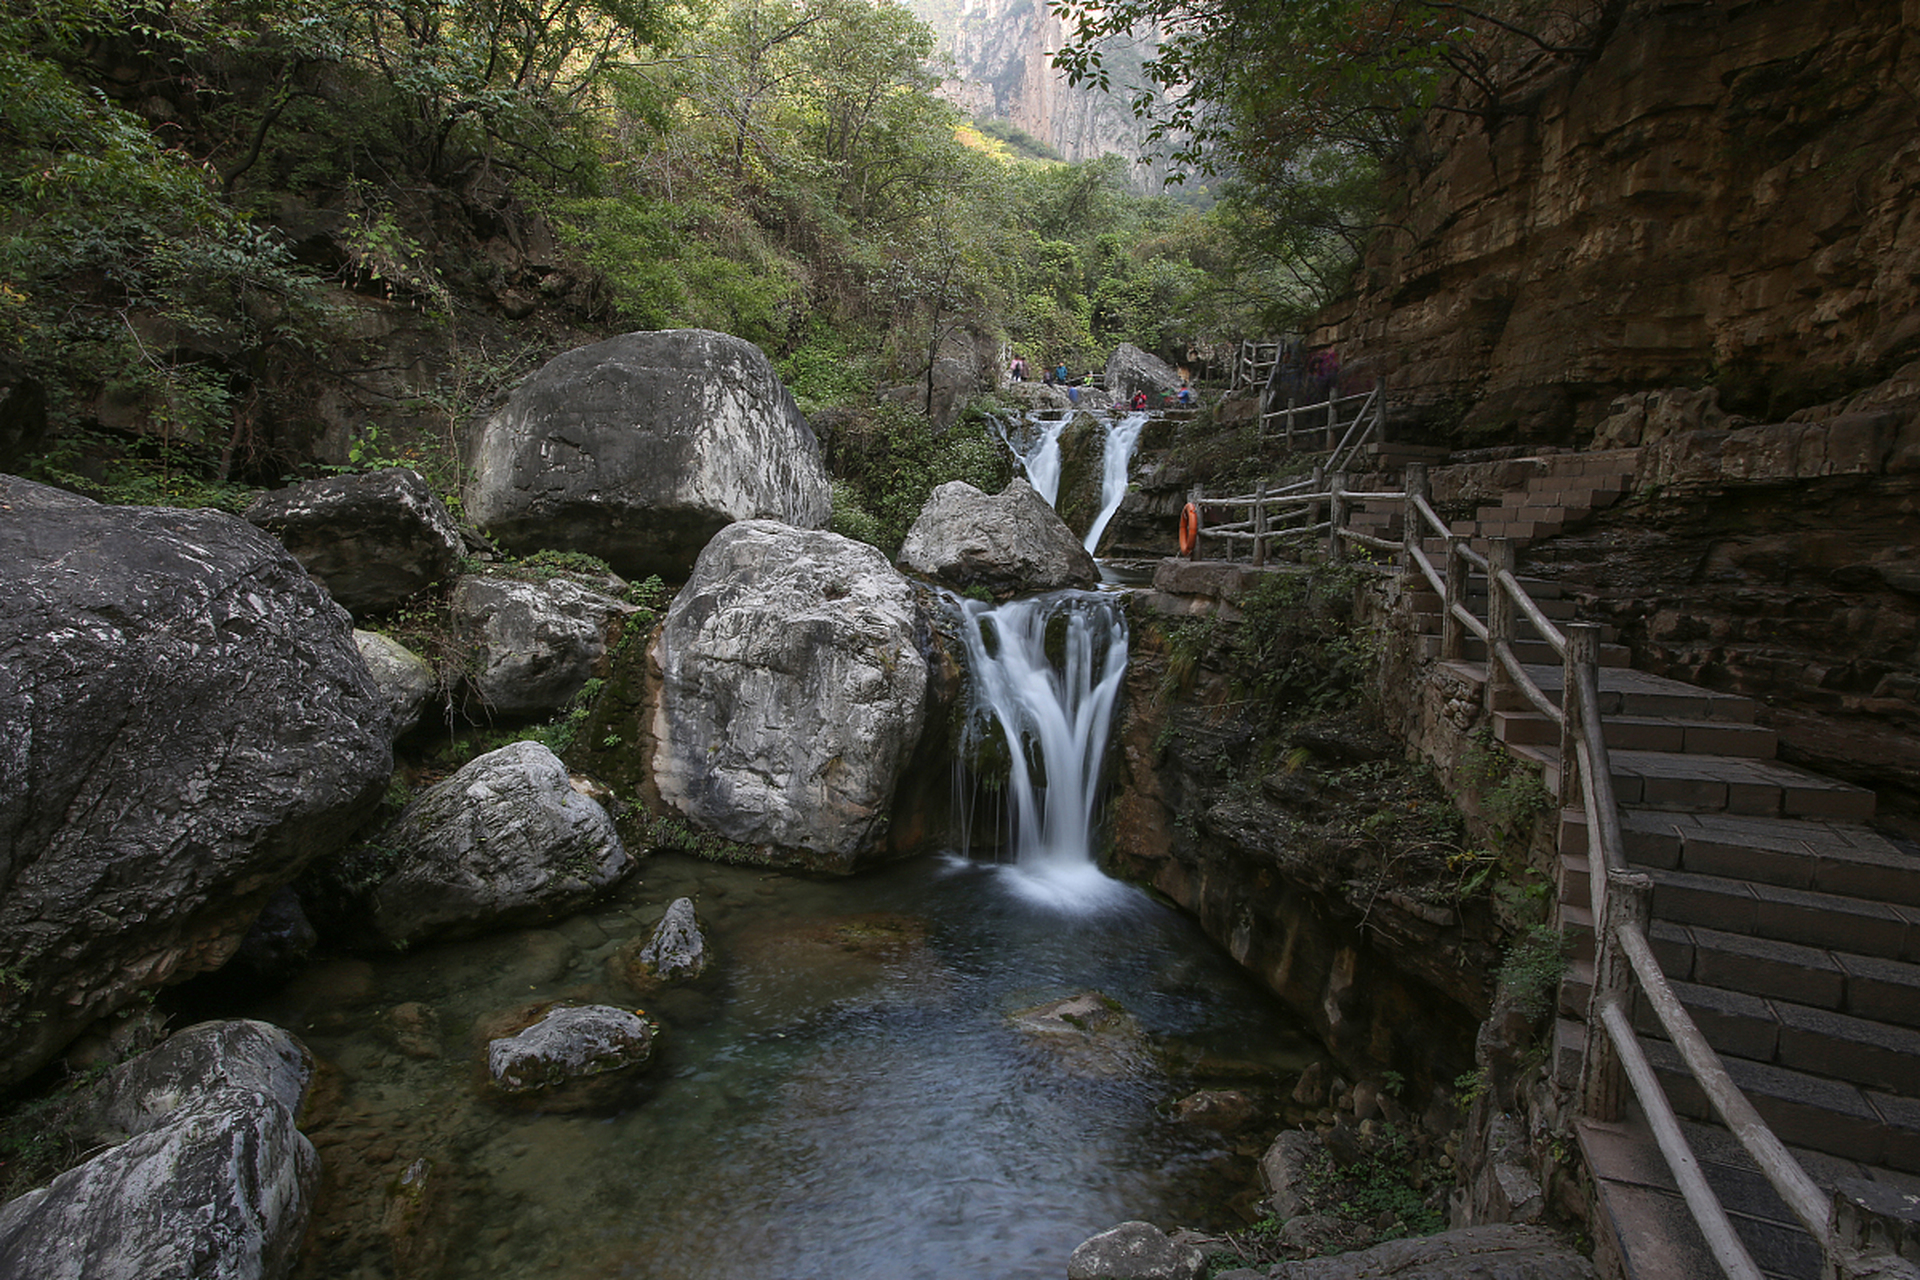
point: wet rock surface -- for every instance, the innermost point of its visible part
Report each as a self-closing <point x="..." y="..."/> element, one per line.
<point x="676" y="951"/>
<point x="185" y="724"/>
<point x="640" y="448"/>
<point x="1135" y="1251"/>
<point x="584" y="1058"/>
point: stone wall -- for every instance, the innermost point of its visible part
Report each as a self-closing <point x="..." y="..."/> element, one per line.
<point x="1725" y="194"/>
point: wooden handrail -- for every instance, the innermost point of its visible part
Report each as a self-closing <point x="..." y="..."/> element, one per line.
<point x="1619" y="896"/>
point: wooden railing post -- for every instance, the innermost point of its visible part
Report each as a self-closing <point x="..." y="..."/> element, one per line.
<point x="1628" y="901"/>
<point x="1583" y="655"/>
<point x="1412" y="525"/>
<point x="1500" y="611"/>
<point x="1290" y="395"/>
<point x="1260" y="524"/>
<point x="1453" y="632"/>
<point x="1336" y="517"/>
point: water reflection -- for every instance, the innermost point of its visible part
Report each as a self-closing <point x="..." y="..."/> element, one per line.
<point x="849" y="1097"/>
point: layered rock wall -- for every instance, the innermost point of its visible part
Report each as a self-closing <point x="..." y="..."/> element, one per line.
<point x="1724" y="194"/>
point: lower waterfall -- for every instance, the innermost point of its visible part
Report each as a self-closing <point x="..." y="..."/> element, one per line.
<point x="1045" y="672"/>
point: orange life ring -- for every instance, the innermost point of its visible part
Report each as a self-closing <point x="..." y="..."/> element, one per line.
<point x="1189" y="529"/>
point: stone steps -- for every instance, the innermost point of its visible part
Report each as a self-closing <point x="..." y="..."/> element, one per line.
<point x="1642" y="1220"/>
<point x="1718" y="784"/>
<point x="1530" y="652"/>
<point x="1788" y="928"/>
<point x="1872" y="1127"/>
<point x="1646" y="733"/>
<point x="1828" y="857"/>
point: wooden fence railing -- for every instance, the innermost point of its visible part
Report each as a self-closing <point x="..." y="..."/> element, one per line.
<point x="1253" y="364"/>
<point x="1621" y="897"/>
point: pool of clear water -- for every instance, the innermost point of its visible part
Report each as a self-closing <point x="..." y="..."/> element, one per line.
<point x="849" y="1094"/>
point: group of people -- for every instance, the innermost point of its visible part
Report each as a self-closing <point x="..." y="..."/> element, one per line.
<point x="1057" y="376"/>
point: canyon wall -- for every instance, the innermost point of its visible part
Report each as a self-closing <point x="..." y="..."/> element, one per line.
<point x="1003" y="61"/>
<point x="1725" y="194"/>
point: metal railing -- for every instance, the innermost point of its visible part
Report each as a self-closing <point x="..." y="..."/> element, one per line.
<point x="1621" y="897"/>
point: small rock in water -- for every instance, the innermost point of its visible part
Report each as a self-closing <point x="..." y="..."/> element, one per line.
<point x="1222" y="1110"/>
<point x="414" y="1029"/>
<point x="584" y="1058"/>
<point x="676" y="951"/>
<point x="1135" y="1251"/>
<point x="1091" y="1033"/>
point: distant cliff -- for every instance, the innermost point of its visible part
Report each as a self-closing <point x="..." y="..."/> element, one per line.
<point x="1723" y="196"/>
<point x="1003" y="59"/>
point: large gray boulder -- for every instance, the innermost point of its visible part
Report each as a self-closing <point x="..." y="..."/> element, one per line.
<point x="1129" y="369"/>
<point x="1009" y="543"/>
<point x="205" y="1174"/>
<point x="640" y="448"/>
<point x="373" y="539"/>
<point x="534" y="641"/>
<point x="506" y="840"/>
<point x="792" y="691"/>
<point x="185" y="723"/>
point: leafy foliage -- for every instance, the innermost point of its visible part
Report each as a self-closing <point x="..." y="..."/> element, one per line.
<point x="889" y="461"/>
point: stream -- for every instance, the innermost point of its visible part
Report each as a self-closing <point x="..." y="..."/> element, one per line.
<point x="859" y="1088"/>
<point x="850" y="1097"/>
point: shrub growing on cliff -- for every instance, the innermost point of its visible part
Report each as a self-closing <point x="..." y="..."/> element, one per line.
<point x="1298" y="646"/>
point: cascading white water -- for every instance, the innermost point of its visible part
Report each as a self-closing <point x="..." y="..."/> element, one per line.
<point x="1054" y="721"/>
<point x="1036" y="443"/>
<point x="1123" y="433"/>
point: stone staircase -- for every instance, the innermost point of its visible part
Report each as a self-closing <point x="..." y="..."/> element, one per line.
<point x="1788" y="927"/>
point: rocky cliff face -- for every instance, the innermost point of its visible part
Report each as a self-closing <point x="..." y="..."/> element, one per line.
<point x="1725" y="194"/>
<point x="1003" y="54"/>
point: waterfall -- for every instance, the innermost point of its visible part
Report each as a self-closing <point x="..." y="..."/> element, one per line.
<point x="1037" y="446"/>
<point x="1051" y="707"/>
<point x="1123" y="433"/>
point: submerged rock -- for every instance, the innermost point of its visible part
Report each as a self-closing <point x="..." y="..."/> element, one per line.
<point x="207" y="1177"/>
<point x="535" y="643"/>
<point x="792" y="692"/>
<point x="575" y="1058"/>
<point x="1135" y="1251"/>
<point x="1089" y="1032"/>
<point x="1009" y="543"/>
<point x="640" y="448"/>
<point x="373" y="539"/>
<point x="505" y="840"/>
<point x="185" y="723"/>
